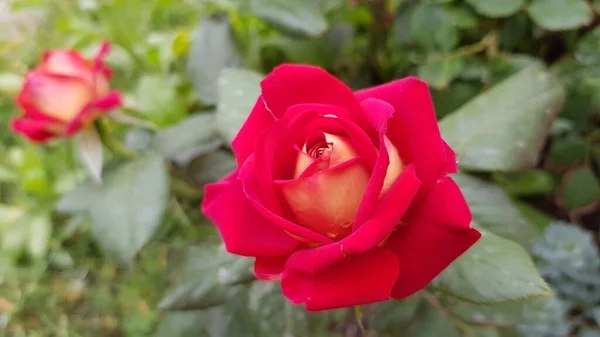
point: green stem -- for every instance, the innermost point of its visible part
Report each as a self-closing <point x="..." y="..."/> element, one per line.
<point x="359" y="321"/>
<point x="113" y="144"/>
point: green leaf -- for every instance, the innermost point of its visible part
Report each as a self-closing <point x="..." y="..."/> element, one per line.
<point x="212" y="166"/>
<point x="205" y="277"/>
<point x="194" y="136"/>
<point x="580" y="189"/>
<point x="130" y="205"/>
<point x="438" y="74"/>
<point x="434" y="322"/>
<point x="495" y="8"/>
<point x="531" y="182"/>
<point x="560" y="14"/>
<point x="494" y="270"/>
<point x="79" y="199"/>
<point x="181" y="324"/>
<point x="239" y="90"/>
<point x="432" y="27"/>
<point x="393" y="317"/>
<point x="298" y="17"/>
<point x="91" y="152"/>
<point x="493" y="210"/>
<point x="504" y="128"/>
<point x="213" y="48"/>
<point x="158" y="100"/>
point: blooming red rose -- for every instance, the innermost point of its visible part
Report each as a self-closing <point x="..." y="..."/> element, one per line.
<point x="344" y="196"/>
<point x="63" y="94"/>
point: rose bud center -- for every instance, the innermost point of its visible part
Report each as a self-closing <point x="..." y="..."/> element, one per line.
<point x="330" y="179"/>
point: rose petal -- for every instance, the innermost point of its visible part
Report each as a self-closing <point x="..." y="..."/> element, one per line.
<point x="251" y="189"/>
<point x="244" y="230"/>
<point x="36" y="131"/>
<point x="68" y="63"/>
<point x="414" y="129"/>
<point x="424" y="250"/>
<point x="259" y="120"/>
<point x="56" y="96"/>
<point x="292" y="84"/>
<point x="378" y="112"/>
<point x="93" y="111"/>
<point x="360" y="279"/>
<point x="451" y="163"/>
<point x="327" y="202"/>
<point x="372" y="233"/>
<point x="269" y="268"/>
<point x="432" y="238"/>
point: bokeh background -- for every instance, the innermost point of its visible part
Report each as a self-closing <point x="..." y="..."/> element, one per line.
<point x="516" y="86"/>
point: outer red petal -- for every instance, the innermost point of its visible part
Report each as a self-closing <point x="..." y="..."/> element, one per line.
<point x="360" y="279"/>
<point x="292" y="84"/>
<point x="68" y="63"/>
<point x="433" y="238"/>
<point x="414" y="124"/>
<point x="269" y="268"/>
<point x="259" y="120"/>
<point x="378" y="112"/>
<point x="244" y="230"/>
<point x="37" y="131"/>
<point x="372" y="233"/>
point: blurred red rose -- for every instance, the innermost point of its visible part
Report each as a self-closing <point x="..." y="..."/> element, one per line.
<point x="63" y="94"/>
<point x="344" y="196"/>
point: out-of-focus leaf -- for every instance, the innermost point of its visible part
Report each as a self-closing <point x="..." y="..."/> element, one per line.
<point x="453" y="97"/>
<point x="239" y="90"/>
<point x="529" y="182"/>
<point x="80" y="199"/>
<point x="496" y="9"/>
<point x="580" y="189"/>
<point x="91" y="152"/>
<point x="438" y="74"/>
<point x="560" y="14"/>
<point x="212" y="166"/>
<point x="393" y="317"/>
<point x="494" y="211"/>
<point x="494" y="270"/>
<point x="567" y="151"/>
<point x="195" y="133"/>
<point x="157" y="100"/>
<point x="130" y="206"/>
<point x="299" y="17"/>
<point x="587" y="50"/>
<point x="182" y="324"/>
<point x="431" y="26"/>
<point x="213" y="48"/>
<point x="463" y="17"/>
<point x="201" y="282"/>
<point x="433" y="322"/>
<point x="504" y="128"/>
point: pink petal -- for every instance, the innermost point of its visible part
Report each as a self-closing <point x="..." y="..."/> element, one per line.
<point x="360" y="279"/>
<point x="327" y="202"/>
<point x="373" y="232"/>
<point x="244" y="230"/>
<point x="252" y="191"/>
<point x="93" y="111"/>
<point x="414" y="125"/>
<point x="57" y="96"/>
<point x="68" y="63"/>
<point x="36" y="131"/>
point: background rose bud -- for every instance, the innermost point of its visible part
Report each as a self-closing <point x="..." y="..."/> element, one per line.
<point x="63" y="94"/>
<point x="344" y="196"/>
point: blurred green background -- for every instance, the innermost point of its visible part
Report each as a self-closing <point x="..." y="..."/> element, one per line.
<point x="529" y="135"/>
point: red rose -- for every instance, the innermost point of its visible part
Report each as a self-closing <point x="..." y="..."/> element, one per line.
<point x="63" y="94"/>
<point x="343" y="195"/>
